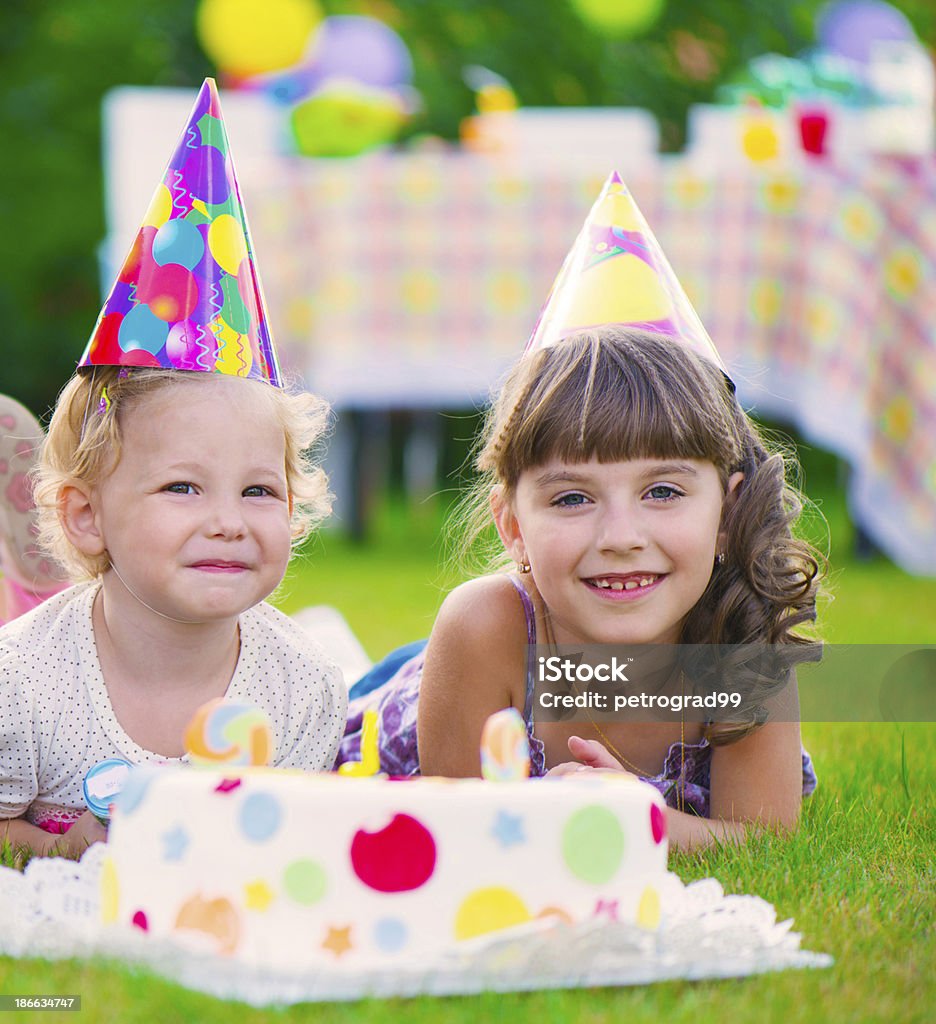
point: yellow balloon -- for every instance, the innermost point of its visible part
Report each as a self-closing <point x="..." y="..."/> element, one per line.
<point x="227" y="243"/>
<point x="235" y="356"/>
<point x="246" y="37"/>
<point x="159" y="208"/>
<point x="760" y="141"/>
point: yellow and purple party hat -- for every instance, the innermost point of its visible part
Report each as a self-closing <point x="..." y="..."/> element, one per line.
<point x="188" y="295"/>
<point x="616" y="273"/>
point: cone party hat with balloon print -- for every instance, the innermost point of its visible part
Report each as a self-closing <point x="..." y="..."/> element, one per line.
<point x="616" y="273"/>
<point x="188" y="295"/>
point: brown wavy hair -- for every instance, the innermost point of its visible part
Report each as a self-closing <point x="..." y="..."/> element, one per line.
<point x="619" y="393"/>
<point x="85" y="440"/>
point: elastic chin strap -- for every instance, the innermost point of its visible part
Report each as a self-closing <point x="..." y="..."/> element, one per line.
<point x="148" y="607"/>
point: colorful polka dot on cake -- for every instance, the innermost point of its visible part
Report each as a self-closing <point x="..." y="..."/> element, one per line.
<point x="657" y="824"/>
<point x="593" y="844"/>
<point x="260" y="817"/>
<point x="217" y="918"/>
<point x="390" y="935"/>
<point x="305" y="882"/>
<point x="648" y="910"/>
<point x="489" y="910"/>
<point x="398" y="858"/>
<point x="110" y="892"/>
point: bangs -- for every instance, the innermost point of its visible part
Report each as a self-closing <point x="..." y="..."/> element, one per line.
<point x="623" y="394"/>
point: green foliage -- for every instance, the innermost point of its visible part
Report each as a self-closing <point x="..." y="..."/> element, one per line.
<point x="59" y="58"/>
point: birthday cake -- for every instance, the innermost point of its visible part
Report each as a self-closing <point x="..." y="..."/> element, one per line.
<point x="294" y="870"/>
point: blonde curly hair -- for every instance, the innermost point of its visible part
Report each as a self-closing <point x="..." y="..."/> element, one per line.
<point x="85" y="439"/>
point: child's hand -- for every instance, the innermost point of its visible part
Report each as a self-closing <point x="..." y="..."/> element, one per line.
<point x="591" y="756"/>
<point x="86" y="830"/>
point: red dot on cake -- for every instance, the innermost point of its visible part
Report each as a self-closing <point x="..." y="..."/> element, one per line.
<point x="398" y="858"/>
<point x="657" y="824"/>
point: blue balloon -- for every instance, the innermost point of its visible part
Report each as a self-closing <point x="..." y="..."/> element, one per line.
<point x="178" y="241"/>
<point x="141" y="328"/>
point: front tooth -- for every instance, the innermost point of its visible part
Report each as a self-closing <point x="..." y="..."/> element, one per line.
<point x="602" y="583"/>
<point x="617" y="585"/>
<point x="631" y="585"/>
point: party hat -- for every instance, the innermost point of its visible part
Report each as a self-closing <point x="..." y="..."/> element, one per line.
<point x="188" y="296"/>
<point x="616" y="273"/>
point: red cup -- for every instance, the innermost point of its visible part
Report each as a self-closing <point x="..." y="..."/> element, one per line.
<point x="813" y="128"/>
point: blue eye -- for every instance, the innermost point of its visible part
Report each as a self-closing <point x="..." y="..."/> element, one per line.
<point x="571" y="500"/>
<point x="664" y="492"/>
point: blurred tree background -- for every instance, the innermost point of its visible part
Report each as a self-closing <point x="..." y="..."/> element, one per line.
<point x="60" y="57"/>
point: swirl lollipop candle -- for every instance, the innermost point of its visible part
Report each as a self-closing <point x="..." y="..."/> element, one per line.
<point x="505" y="747"/>
<point x="229" y="732"/>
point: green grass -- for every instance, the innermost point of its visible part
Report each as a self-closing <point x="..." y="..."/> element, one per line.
<point x="857" y="877"/>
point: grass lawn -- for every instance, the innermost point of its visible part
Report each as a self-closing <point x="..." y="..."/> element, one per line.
<point x="857" y="877"/>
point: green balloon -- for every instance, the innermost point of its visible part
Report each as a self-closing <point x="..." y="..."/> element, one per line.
<point x="345" y="121"/>
<point x="212" y="132"/>
<point x="593" y="844"/>
<point x="619" y="18"/>
<point x="233" y="309"/>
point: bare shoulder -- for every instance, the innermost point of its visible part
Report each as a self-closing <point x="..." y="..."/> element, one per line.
<point x="475" y="665"/>
<point x="488" y="607"/>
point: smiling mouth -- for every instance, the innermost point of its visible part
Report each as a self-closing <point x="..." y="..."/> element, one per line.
<point x="219" y="566"/>
<point x="615" y="584"/>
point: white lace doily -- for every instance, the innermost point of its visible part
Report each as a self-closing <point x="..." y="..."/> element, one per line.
<point x="51" y="911"/>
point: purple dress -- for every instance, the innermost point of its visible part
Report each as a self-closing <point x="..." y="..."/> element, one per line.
<point x="684" y="781"/>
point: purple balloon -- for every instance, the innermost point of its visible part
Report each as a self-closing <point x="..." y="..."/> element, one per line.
<point x="204" y="175"/>
<point x="852" y="27"/>
<point x="119" y="300"/>
<point x="367" y="50"/>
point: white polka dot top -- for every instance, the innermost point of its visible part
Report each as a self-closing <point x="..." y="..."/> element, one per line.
<point x="56" y="719"/>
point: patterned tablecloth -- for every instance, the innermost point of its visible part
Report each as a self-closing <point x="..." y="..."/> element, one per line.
<point x="415" y="280"/>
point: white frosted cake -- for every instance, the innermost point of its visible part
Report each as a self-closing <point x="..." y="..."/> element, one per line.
<point x="294" y="870"/>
